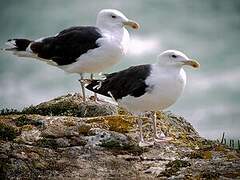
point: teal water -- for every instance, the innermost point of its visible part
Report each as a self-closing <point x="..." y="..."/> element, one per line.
<point x="206" y="30"/>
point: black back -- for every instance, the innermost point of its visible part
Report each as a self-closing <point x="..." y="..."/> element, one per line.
<point x="130" y="81"/>
<point x="68" y="45"/>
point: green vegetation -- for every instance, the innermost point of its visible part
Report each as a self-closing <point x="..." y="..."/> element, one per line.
<point x="7" y="111"/>
<point x="174" y="166"/>
<point x="118" y="148"/>
<point x="8" y="132"/>
<point x="24" y="120"/>
<point x="48" y="142"/>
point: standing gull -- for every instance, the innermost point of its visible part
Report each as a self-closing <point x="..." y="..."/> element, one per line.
<point x="149" y="87"/>
<point x="81" y="49"/>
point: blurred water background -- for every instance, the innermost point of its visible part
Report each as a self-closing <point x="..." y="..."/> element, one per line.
<point x="206" y="30"/>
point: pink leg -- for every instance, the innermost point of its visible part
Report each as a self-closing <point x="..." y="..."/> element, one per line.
<point x="142" y="143"/>
<point x="158" y="137"/>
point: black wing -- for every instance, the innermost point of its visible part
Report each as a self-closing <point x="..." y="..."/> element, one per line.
<point x="68" y="45"/>
<point x="130" y="81"/>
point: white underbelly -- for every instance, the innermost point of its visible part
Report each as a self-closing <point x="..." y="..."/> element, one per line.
<point x="96" y="60"/>
<point x="160" y="98"/>
<point x="147" y="103"/>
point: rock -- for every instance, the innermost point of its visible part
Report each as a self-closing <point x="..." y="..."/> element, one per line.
<point x="105" y="138"/>
<point x="7" y="132"/>
<point x="84" y="128"/>
<point x="71" y="105"/>
<point x="29" y="136"/>
<point x="55" y="140"/>
<point x="23" y="120"/>
<point x="174" y="166"/>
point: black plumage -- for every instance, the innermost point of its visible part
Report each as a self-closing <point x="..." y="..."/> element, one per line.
<point x="20" y="44"/>
<point x="68" y="45"/>
<point x="130" y="81"/>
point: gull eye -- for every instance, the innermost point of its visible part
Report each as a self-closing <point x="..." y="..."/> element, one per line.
<point x="174" y="56"/>
<point x="113" y="16"/>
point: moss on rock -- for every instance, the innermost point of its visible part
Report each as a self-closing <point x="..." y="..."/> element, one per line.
<point x="8" y="132"/>
<point x="47" y="142"/>
<point x="24" y="120"/>
<point x="118" y="148"/>
<point x="84" y="129"/>
<point x="174" y="166"/>
<point x="71" y="105"/>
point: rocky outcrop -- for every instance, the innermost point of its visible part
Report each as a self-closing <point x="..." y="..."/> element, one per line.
<point x="67" y="139"/>
<point x="71" y="105"/>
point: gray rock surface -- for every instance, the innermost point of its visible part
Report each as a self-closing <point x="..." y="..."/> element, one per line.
<point x="34" y="144"/>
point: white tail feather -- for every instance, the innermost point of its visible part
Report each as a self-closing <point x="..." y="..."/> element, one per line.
<point x="11" y="44"/>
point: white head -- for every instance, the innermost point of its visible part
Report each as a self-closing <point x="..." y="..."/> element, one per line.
<point x="114" y="19"/>
<point x="174" y="58"/>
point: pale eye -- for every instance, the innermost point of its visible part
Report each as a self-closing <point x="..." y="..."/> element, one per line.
<point x="174" y="56"/>
<point x="113" y="16"/>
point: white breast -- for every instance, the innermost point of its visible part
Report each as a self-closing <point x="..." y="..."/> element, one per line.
<point x="166" y="86"/>
<point x="112" y="48"/>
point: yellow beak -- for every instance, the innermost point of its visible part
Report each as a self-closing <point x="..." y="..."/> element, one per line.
<point x="192" y="63"/>
<point x="132" y="24"/>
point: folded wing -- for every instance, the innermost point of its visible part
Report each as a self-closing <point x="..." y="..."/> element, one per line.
<point x="123" y="83"/>
<point x="68" y="45"/>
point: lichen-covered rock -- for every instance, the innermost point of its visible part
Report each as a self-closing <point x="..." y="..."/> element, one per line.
<point x="29" y="136"/>
<point x="38" y="145"/>
<point x="8" y="132"/>
<point x="72" y="105"/>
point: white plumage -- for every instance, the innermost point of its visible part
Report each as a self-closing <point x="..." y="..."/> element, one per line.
<point x="167" y="86"/>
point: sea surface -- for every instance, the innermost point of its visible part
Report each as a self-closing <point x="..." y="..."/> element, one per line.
<point x="205" y="30"/>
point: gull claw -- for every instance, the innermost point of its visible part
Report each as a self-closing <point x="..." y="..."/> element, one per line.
<point x="162" y="138"/>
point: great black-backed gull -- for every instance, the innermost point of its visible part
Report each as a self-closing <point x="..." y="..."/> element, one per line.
<point x="81" y="49"/>
<point x="149" y="87"/>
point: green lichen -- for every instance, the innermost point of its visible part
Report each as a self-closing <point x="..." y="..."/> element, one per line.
<point x="111" y="144"/>
<point x="66" y="108"/>
<point x="40" y="165"/>
<point x="47" y="142"/>
<point x="70" y="105"/>
<point x="122" y="124"/>
<point x="200" y="155"/>
<point x="128" y="148"/>
<point x="134" y="149"/>
<point x="8" y="132"/>
<point x="7" y="111"/>
<point x="59" y="109"/>
<point x="27" y="127"/>
<point x="210" y="175"/>
<point x="77" y="141"/>
<point x="24" y="120"/>
<point x="122" y="111"/>
<point x="231" y="175"/>
<point x="64" y="105"/>
<point x="174" y="166"/>
<point x="69" y="123"/>
<point x="84" y="129"/>
<point x="5" y="165"/>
